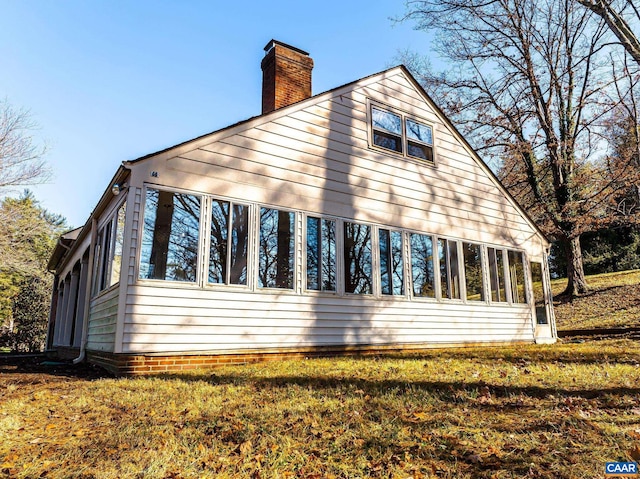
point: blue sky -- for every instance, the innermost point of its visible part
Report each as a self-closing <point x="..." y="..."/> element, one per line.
<point x="109" y="81"/>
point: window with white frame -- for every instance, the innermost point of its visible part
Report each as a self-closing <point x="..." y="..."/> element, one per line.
<point x="449" y="269"/>
<point x="118" y="244"/>
<point x="474" y="282"/>
<point x="414" y="263"/>
<point x="422" y="274"/>
<point x="516" y="276"/>
<point x="108" y="252"/>
<point x="276" y="249"/>
<point x="400" y="133"/>
<point x="170" y="238"/>
<point x="496" y="275"/>
<point x="321" y="254"/>
<point x="391" y="262"/>
<point x="228" y="243"/>
<point x="357" y="259"/>
<point x="538" y="291"/>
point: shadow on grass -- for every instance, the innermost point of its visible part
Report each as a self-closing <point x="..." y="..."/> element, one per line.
<point x="39" y="368"/>
<point x="561" y="299"/>
<point x="449" y="391"/>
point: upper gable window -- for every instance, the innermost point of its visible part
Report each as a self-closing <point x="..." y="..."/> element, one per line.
<point x="401" y="134"/>
<point x="387" y="129"/>
<point x="419" y="140"/>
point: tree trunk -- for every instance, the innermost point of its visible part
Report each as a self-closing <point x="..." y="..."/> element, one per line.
<point x="576" y="283"/>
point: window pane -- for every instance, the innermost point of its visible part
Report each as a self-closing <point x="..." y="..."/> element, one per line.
<point x="473" y="271"/>
<point x="219" y="238"/>
<point x="538" y="293"/>
<point x="357" y="258"/>
<point x="417" y="150"/>
<point x="449" y="275"/>
<point x="239" y="244"/>
<point x="387" y="140"/>
<point x="496" y="275"/>
<point x="422" y="265"/>
<point x="105" y="256"/>
<point x="95" y="286"/>
<point x="516" y="275"/>
<point x="391" y="265"/>
<point x="321" y="254"/>
<point x="170" y="236"/>
<point x="116" y="262"/>
<point x="275" y="269"/>
<point x="314" y="253"/>
<point x="386" y="121"/>
<point x="420" y="132"/>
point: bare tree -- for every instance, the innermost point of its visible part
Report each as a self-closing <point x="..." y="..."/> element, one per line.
<point x="529" y="85"/>
<point x="21" y="160"/>
<point x="620" y="16"/>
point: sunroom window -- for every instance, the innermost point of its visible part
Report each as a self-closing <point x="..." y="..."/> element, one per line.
<point x="391" y="264"/>
<point x="229" y="243"/>
<point x="449" y="269"/>
<point x="473" y="271"/>
<point x="321" y="254"/>
<point x="276" y="249"/>
<point x="109" y="251"/>
<point x="170" y="237"/>
<point x="118" y="243"/>
<point x="496" y="275"/>
<point x="357" y="259"/>
<point x="516" y="275"/>
<point x="422" y="273"/>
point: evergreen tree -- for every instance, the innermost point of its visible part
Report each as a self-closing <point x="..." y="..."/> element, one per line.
<point x="28" y="233"/>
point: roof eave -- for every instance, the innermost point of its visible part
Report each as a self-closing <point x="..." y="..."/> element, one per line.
<point x="54" y="265"/>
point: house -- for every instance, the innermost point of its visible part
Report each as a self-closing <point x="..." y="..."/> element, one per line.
<point x="355" y="220"/>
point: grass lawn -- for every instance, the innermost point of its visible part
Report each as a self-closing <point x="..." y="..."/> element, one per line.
<point x="531" y="411"/>
<point x="614" y="302"/>
<point x="519" y="412"/>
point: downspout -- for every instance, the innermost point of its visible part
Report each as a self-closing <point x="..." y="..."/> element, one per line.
<point x="87" y="296"/>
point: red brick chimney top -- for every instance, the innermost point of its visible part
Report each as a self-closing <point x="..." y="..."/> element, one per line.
<point x="286" y="76"/>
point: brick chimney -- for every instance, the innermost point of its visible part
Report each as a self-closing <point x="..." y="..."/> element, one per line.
<point x="286" y="76"/>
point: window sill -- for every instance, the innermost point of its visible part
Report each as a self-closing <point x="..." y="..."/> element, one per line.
<point x="402" y="156"/>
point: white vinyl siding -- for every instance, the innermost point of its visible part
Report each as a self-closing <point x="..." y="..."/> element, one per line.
<point x="315" y="159"/>
<point x="103" y="312"/>
<point x="187" y="319"/>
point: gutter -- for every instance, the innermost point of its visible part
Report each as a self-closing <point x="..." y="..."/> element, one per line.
<point x="85" y="313"/>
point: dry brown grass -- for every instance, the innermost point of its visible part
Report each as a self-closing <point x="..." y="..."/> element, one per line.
<point x="614" y="302"/>
<point x="557" y="411"/>
<point x="515" y="412"/>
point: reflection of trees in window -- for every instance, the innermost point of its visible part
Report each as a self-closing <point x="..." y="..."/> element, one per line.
<point x="496" y="275"/>
<point x="170" y="237"/>
<point x="538" y="292"/>
<point x="391" y="265"/>
<point x="276" y="249"/>
<point x="516" y="275"/>
<point x="118" y="244"/>
<point x="105" y="255"/>
<point x="473" y="271"/>
<point x="419" y="140"/>
<point x="449" y="269"/>
<point x="239" y="244"/>
<point x="321" y="254"/>
<point x="422" y="265"/>
<point x="228" y="254"/>
<point x="387" y="129"/>
<point x="357" y="259"/>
